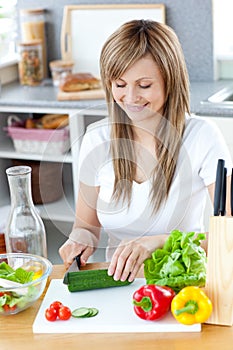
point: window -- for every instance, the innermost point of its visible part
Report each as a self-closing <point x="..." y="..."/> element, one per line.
<point x="8" y="29"/>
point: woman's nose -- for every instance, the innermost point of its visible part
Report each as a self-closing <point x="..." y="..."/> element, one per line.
<point x="131" y="95"/>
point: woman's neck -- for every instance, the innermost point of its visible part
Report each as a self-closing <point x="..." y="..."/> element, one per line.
<point x="145" y="151"/>
<point x="145" y="131"/>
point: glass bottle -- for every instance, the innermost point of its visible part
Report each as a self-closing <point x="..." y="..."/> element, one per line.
<point x="25" y="231"/>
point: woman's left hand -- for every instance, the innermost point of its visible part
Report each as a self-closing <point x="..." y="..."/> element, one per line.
<point x="130" y="255"/>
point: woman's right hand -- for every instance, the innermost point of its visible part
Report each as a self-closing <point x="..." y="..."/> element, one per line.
<point x="70" y="249"/>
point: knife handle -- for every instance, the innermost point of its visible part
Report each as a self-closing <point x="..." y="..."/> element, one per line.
<point x="218" y="186"/>
<point x="78" y="260"/>
<point x="222" y="206"/>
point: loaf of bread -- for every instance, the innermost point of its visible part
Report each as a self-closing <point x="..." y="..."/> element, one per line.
<point x="48" y="121"/>
<point x="79" y="82"/>
<point x="54" y="121"/>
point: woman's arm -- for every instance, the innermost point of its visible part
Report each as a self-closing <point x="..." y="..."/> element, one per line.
<point x="86" y="229"/>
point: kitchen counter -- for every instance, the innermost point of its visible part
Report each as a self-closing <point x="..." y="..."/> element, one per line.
<point x="13" y="96"/>
<point x="16" y="333"/>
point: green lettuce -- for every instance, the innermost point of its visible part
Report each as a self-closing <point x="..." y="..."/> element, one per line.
<point x="13" y="299"/>
<point x="181" y="262"/>
<point x="18" y="275"/>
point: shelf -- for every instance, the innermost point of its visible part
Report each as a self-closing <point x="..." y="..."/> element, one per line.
<point x="8" y="151"/>
<point x="61" y="210"/>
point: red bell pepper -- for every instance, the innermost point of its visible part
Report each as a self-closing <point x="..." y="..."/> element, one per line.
<point x="152" y="302"/>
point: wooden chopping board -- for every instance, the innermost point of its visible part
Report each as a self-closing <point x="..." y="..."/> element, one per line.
<point x="94" y="94"/>
<point x="115" y="312"/>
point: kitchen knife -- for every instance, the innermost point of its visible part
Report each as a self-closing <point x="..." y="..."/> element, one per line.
<point x="222" y="206"/>
<point x="74" y="267"/>
<point x="218" y="186"/>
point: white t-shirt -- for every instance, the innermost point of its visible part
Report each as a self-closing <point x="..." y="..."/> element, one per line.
<point x="202" y="146"/>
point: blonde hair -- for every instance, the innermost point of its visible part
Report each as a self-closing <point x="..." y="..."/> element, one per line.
<point x="131" y="42"/>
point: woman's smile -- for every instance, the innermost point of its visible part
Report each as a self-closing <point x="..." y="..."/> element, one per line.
<point x="136" y="108"/>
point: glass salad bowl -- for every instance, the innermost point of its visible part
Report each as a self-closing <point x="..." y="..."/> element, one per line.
<point x="23" y="279"/>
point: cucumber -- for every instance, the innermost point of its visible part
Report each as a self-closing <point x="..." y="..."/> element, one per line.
<point x="85" y="312"/>
<point x="92" y="279"/>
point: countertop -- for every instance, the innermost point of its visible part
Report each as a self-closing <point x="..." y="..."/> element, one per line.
<point x="14" y="96"/>
<point x="16" y="333"/>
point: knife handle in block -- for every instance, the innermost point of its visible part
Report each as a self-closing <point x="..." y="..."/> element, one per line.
<point x="222" y="205"/>
<point x="219" y="281"/>
<point x="218" y="186"/>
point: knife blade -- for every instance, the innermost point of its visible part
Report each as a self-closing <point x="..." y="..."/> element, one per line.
<point x="218" y="186"/>
<point x="74" y="267"/>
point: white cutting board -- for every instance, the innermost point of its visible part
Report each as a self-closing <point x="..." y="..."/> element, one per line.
<point x="115" y="307"/>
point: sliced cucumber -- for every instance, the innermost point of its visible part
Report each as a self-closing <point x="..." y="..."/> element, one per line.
<point x="85" y="312"/>
<point x="93" y="311"/>
<point x="81" y="312"/>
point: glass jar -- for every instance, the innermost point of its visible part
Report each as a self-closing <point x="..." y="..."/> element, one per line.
<point x="30" y="63"/>
<point x="33" y="27"/>
<point x="25" y="231"/>
<point x="60" y="69"/>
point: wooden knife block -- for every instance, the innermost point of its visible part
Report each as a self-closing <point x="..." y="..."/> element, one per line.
<point x="219" y="281"/>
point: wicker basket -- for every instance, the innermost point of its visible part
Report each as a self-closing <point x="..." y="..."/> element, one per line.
<point x="46" y="180"/>
<point x="37" y="141"/>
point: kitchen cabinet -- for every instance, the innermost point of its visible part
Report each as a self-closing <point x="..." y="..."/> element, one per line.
<point x="62" y="209"/>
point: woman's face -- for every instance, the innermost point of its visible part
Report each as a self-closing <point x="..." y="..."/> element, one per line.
<point x="140" y="90"/>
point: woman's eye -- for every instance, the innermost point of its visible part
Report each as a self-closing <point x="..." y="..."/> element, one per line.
<point x="120" y="85"/>
<point x="145" y="86"/>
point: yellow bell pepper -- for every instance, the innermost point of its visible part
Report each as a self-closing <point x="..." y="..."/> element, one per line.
<point x="191" y="305"/>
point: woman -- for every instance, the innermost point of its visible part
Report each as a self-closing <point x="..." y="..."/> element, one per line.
<point x="147" y="169"/>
